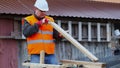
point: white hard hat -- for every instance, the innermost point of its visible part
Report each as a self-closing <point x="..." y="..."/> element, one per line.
<point x="41" y="5"/>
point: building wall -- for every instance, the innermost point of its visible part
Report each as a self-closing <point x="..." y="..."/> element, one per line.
<point x="96" y="44"/>
<point x="8" y="46"/>
<point x="65" y="50"/>
<point x="96" y="36"/>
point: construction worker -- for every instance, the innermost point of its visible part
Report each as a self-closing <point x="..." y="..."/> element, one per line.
<point x="39" y="34"/>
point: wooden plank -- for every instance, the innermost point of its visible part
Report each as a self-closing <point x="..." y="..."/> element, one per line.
<point x="70" y="27"/>
<point x="59" y="23"/>
<point x="37" y="65"/>
<point x="4" y="37"/>
<point x="108" y="32"/>
<point x="74" y="42"/>
<point x="85" y="63"/>
<point x="42" y="55"/>
<point x="98" y="32"/>
<point x="80" y="31"/>
<point x="89" y="32"/>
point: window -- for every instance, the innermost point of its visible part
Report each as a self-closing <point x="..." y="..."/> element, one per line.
<point x="103" y="32"/>
<point x="87" y="31"/>
<point x="94" y="32"/>
<point x="17" y="33"/>
<point x="75" y="30"/>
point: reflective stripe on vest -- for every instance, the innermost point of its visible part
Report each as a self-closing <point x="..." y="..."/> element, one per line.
<point x="40" y="41"/>
<point x="45" y="32"/>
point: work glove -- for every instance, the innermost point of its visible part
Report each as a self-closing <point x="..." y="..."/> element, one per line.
<point x="43" y="21"/>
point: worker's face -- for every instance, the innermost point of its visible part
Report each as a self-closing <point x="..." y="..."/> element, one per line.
<point x="39" y="13"/>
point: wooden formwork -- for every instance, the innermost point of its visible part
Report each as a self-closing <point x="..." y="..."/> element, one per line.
<point x="65" y="64"/>
<point x="38" y="65"/>
<point x="69" y="63"/>
<point x="41" y="64"/>
<point x="83" y="64"/>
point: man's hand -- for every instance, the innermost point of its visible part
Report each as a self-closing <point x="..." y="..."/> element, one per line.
<point x="43" y="21"/>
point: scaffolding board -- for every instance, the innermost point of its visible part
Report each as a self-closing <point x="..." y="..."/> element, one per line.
<point x="83" y="64"/>
<point x="68" y="64"/>
<point x="65" y="64"/>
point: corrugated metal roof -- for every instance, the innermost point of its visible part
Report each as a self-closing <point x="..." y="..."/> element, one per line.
<point x="112" y="1"/>
<point x="71" y="8"/>
<point x="82" y="8"/>
<point x="15" y="6"/>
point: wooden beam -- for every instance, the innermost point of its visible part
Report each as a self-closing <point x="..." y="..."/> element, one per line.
<point x="108" y="32"/>
<point x="70" y="27"/>
<point x="74" y="42"/>
<point x="6" y="37"/>
<point x="85" y="64"/>
<point x="98" y="32"/>
<point x="42" y="57"/>
<point x="89" y="32"/>
<point x="59" y="22"/>
<point x="38" y="65"/>
<point x="80" y="31"/>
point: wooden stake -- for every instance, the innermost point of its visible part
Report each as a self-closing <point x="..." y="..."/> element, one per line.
<point x="42" y="57"/>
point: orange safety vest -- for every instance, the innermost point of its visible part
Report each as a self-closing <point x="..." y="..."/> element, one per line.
<point x="43" y="39"/>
